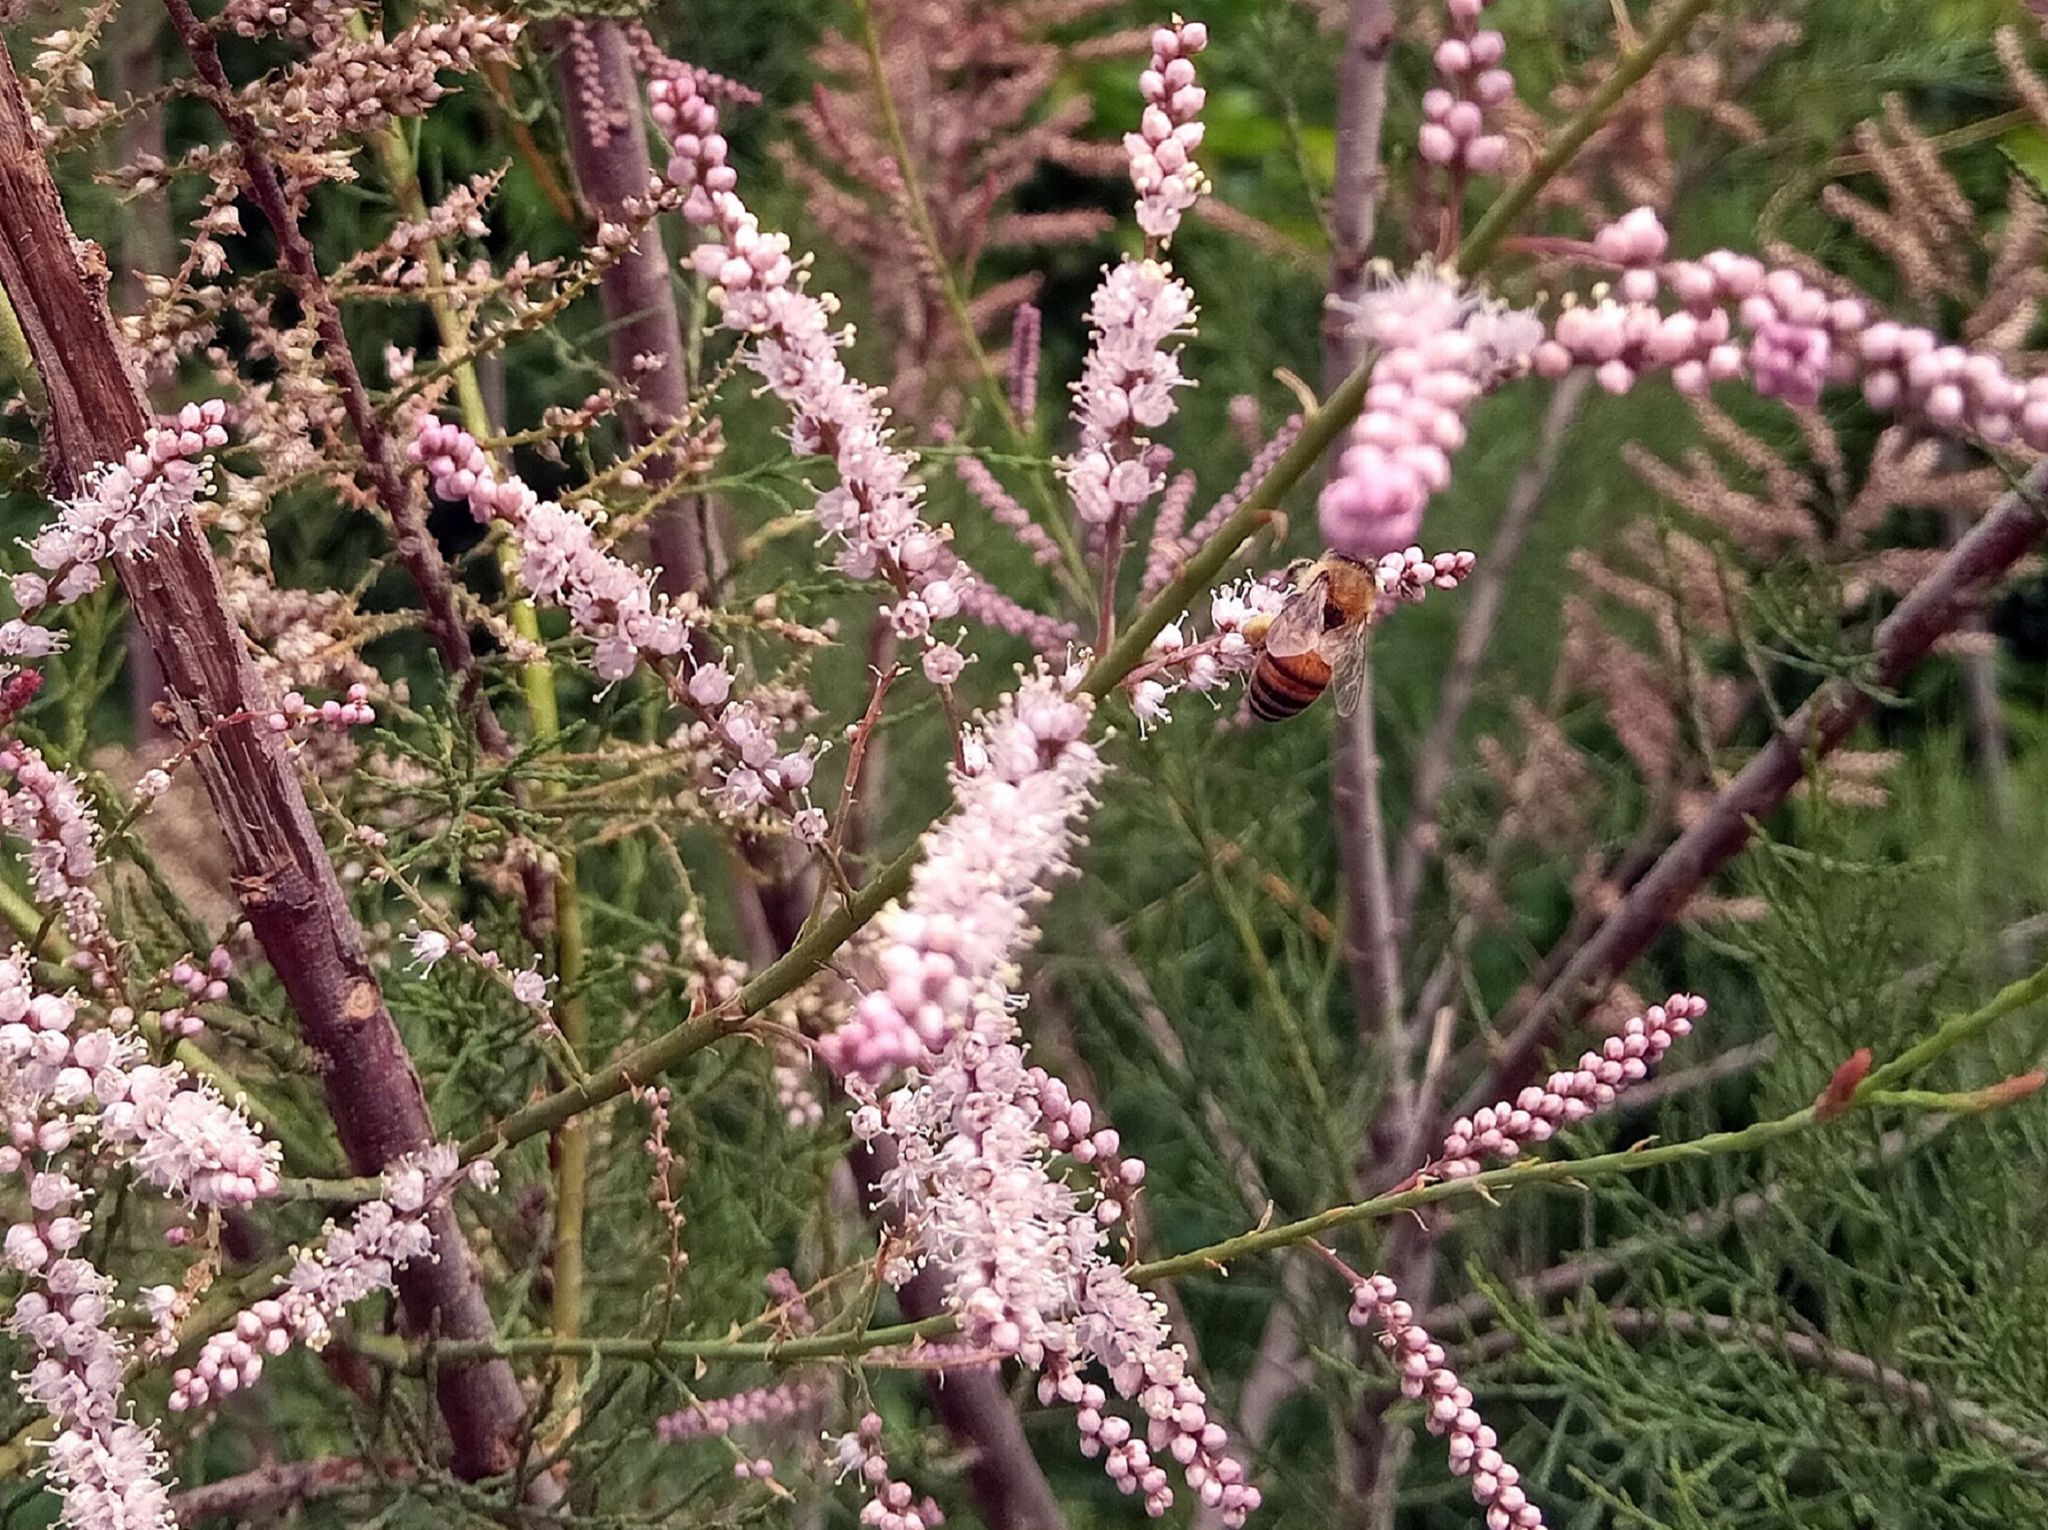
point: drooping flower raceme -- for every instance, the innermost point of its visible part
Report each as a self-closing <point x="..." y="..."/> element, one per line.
<point x="76" y="1096"/>
<point x="1026" y="1257"/>
<point x="1027" y="1261"/>
<point x="1440" y="347"/>
<point x="561" y="561"/>
<point x="892" y="1503"/>
<point x="349" y="1264"/>
<point x="1426" y="1375"/>
<point x="1798" y="339"/>
<point x="48" y="812"/>
<point x="875" y="510"/>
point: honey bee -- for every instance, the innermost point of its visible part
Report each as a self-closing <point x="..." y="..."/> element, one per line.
<point x="1317" y="640"/>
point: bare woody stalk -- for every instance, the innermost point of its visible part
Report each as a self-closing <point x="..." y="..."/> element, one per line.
<point x="1371" y="953"/>
<point x="145" y="249"/>
<point x="608" y="148"/>
<point x="1369" y="949"/>
<point x="1937" y="606"/>
<point x="270" y="1490"/>
<point x="282" y="876"/>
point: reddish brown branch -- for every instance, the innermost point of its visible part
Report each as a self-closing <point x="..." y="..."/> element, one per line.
<point x="281" y="1485"/>
<point x="1937" y="606"/>
<point x="282" y="875"/>
<point x="608" y="148"/>
<point x="1371" y="950"/>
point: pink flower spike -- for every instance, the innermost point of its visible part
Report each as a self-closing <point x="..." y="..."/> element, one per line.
<point x="1569" y="1096"/>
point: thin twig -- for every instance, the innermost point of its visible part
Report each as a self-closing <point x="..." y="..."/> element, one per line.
<point x="412" y="541"/>
<point x="1934" y="608"/>
<point x="271" y="1489"/>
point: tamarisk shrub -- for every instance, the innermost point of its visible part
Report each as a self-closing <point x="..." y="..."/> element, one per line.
<point x="785" y="919"/>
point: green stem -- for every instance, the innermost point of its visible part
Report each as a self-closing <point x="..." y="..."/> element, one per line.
<point x="537" y="682"/>
<point x="1196" y="1261"/>
<point x="1263" y="1240"/>
<point x="1953" y="1033"/>
<point x="1563" y="146"/>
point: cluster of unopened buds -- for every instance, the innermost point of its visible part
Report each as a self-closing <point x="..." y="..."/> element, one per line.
<point x="1407" y="576"/>
<point x="1569" y="1095"/>
<point x="1070" y="1128"/>
<point x="1799" y="339"/>
<point x="1161" y="152"/>
<point x="295" y="710"/>
<point x="1426" y="1376"/>
<point x="1796" y="332"/>
<point x="1471" y="79"/>
<point x="1908" y="370"/>
<point x="892" y="1503"/>
<point x="201" y="985"/>
<point x="1177" y="1427"/>
<point x="717" y="1416"/>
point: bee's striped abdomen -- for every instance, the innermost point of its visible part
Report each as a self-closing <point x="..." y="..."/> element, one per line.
<point x="1282" y="687"/>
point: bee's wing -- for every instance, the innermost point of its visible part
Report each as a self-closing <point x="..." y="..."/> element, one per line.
<point x="1349" y="667"/>
<point x="1298" y="626"/>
